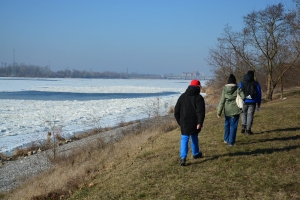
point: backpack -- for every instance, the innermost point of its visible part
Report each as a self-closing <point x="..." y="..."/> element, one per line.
<point x="249" y="89"/>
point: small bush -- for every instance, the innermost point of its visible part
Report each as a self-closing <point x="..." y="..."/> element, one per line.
<point x="171" y="110"/>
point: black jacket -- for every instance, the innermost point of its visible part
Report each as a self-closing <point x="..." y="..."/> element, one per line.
<point x="190" y="111"/>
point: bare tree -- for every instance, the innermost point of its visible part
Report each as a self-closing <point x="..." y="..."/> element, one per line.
<point x="225" y="61"/>
<point x="269" y="41"/>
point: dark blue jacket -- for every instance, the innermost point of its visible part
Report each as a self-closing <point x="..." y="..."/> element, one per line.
<point x="257" y="98"/>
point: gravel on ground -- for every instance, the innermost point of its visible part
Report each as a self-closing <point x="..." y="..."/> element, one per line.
<point x="14" y="173"/>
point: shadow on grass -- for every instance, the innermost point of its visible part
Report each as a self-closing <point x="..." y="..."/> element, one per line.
<point x="248" y="153"/>
<point x="296" y="137"/>
<point x="280" y="130"/>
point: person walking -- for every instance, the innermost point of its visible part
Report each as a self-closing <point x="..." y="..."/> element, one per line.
<point x="231" y="110"/>
<point x="189" y="113"/>
<point x="252" y="91"/>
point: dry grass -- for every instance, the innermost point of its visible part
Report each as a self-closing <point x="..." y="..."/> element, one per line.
<point x="263" y="166"/>
<point x="78" y="169"/>
<point x="213" y="95"/>
<point x="59" y="140"/>
<point x="145" y="163"/>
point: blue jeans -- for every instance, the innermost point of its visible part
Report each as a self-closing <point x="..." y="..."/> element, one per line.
<point x="248" y="115"/>
<point x="230" y="128"/>
<point x="184" y="145"/>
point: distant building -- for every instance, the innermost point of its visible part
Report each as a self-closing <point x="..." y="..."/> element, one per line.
<point x="190" y="75"/>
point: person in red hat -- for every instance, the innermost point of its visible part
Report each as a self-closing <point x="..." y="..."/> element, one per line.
<point x="189" y="113"/>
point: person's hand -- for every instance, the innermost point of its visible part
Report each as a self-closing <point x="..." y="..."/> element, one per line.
<point x="218" y="116"/>
<point x="198" y="126"/>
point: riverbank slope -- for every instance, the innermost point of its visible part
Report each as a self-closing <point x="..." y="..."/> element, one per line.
<point x="264" y="165"/>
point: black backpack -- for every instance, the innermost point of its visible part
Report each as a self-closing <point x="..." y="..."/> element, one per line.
<point x="249" y="89"/>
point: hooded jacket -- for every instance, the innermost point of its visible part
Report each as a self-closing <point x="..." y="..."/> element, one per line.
<point x="257" y="99"/>
<point x="190" y="111"/>
<point x="227" y="101"/>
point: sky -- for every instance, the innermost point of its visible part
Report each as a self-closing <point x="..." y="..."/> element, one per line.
<point x="125" y="36"/>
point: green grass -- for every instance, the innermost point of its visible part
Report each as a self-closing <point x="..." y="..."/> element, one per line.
<point x="265" y="165"/>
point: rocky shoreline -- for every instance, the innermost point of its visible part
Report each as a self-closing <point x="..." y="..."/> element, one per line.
<point x="14" y="173"/>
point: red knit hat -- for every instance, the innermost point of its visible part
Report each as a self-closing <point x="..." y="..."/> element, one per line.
<point x="195" y="83"/>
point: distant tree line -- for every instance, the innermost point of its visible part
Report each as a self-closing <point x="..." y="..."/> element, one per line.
<point x="34" y="71"/>
<point x="269" y="44"/>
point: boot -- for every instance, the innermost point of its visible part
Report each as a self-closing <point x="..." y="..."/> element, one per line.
<point x="199" y="155"/>
<point x="249" y="132"/>
<point x="182" y="162"/>
<point x="243" y="128"/>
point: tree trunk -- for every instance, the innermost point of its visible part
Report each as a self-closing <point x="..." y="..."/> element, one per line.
<point x="281" y="88"/>
<point x="270" y="88"/>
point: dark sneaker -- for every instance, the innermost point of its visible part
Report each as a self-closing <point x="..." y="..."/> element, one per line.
<point x="199" y="155"/>
<point x="249" y="132"/>
<point x="182" y="162"/>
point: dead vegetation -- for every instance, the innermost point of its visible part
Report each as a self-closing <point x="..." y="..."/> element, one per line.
<point x="79" y="168"/>
<point x="144" y="164"/>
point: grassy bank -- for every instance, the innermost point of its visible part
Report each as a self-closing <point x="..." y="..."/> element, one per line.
<point x="145" y="165"/>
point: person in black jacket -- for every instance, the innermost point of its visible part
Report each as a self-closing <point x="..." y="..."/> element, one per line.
<point x="189" y="113"/>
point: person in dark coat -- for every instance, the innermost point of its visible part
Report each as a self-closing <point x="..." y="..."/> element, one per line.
<point x="250" y="103"/>
<point x="189" y="113"/>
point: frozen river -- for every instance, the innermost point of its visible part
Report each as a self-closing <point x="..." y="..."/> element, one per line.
<point x="30" y="107"/>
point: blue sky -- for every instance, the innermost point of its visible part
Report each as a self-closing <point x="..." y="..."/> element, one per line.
<point x="152" y="37"/>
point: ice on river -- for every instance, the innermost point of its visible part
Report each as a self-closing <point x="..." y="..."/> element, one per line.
<point x="23" y="121"/>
